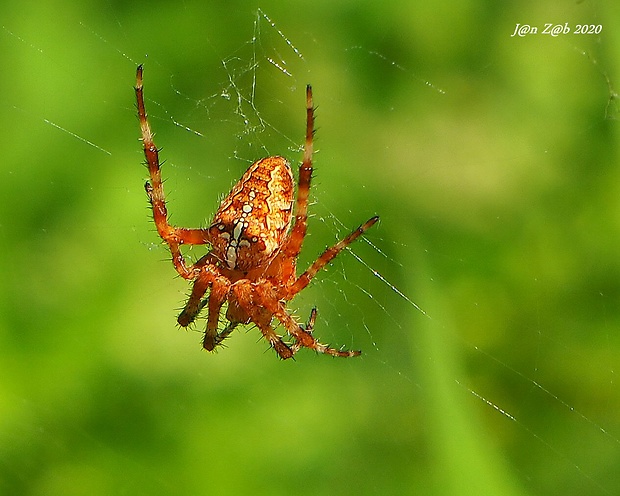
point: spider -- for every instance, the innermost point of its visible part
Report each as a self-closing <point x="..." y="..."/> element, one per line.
<point x="254" y="249"/>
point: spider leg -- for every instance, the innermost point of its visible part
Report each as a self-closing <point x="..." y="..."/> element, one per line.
<point x="206" y="279"/>
<point x="219" y="293"/>
<point x="194" y="303"/>
<point x="309" y="328"/>
<point x="251" y="303"/>
<point x="173" y="236"/>
<point x="202" y="283"/>
<point x="298" y="232"/>
<point x="304" y="337"/>
<point x="311" y="320"/>
<point x="272" y="307"/>
<point x="283" y="350"/>
<point x="221" y="336"/>
<point x="327" y="256"/>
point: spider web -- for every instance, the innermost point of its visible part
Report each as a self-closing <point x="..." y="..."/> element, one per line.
<point x="409" y="294"/>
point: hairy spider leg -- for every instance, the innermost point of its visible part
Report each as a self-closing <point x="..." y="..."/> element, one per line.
<point x="218" y="295"/>
<point x="194" y="303"/>
<point x="202" y="283"/>
<point x="328" y="255"/>
<point x="288" y="254"/>
<point x="220" y="336"/>
<point x="255" y="305"/>
<point x="173" y="236"/>
<point x="304" y="337"/>
<point x="220" y="288"/>
<point x="296" y="346"/>
<point x="311" y="320"/>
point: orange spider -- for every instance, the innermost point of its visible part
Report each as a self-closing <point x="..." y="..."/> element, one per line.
<point x="254" y="250"/>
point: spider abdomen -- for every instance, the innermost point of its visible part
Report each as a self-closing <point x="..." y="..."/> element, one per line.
<point x="253" y="220"/>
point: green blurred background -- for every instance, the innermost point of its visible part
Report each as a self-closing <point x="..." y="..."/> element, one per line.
<point x="492" y="160"/>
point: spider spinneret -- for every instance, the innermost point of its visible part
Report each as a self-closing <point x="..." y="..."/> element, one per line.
<point x="252" y="265"/>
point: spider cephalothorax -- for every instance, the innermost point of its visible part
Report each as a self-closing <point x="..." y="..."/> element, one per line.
<point x="254" y="249"/>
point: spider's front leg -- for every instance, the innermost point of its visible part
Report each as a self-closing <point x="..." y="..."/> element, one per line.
<point x="173" y="236"/>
